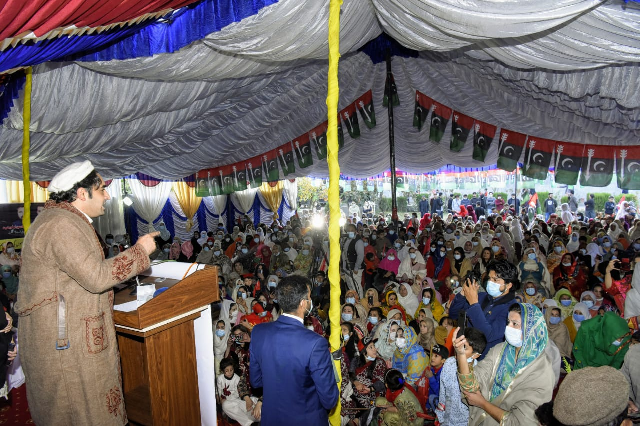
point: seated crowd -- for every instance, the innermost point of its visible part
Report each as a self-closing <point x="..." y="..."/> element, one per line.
<point x="457" y="320"/>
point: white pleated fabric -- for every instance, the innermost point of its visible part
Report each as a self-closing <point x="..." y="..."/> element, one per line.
<point x="290" y="191"/>
<point x="148" y="201"/>
<point x="243" y="200"/>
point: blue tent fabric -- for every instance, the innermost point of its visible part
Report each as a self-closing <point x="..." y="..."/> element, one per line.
<point x="178" y="30"/>
<point x="173" y="32"/>
<point x="9" y="91"/>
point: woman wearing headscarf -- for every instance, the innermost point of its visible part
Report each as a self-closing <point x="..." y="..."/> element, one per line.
<point x="187" y="251"/>
<point x="390" y="264"/>
<point x="351" y="297"/>
<point x="531" y="268"/>
<point x="565" y="302"/>
<point x="370" y="300"/>
<point x="174" y="251"/>
<point x="589" y="298"/>
<point x="555" y="256"/>
<point x="570" y="275"/>
<point x="438" y="266"/>
<point x="369" y="375"/>
<point x="616" y="284"/>
<point x="463" y="211"/>
<point x="203" y="238"/>
<point x="10" y="282"/>
<point x="573" y="322"/>
<point x="386" y="343"/>
<point x="460" y="265"/>
<point x="403" y="407"/>
<point x="603" y="340"/>
<point x="412" y="264"/>
<point x="408" y="300"/>
<point x="390" y="300"/>
<point x="558" y="331"/>
<point x="428" y="302"/>
<point x="532" y="293"/>
<point x="515" y="377"/>
<point x="303" y="260"/>
<point x="574" y="243"/>
<point x="427" y="337"/>
<point x="425" y="221"/>
<point x="409" y="358"/>
<point x="220" y="339"/>
<point x="264" y="255"/>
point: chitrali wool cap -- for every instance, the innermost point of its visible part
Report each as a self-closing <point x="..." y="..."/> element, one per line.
<point x="591" y="396"/>
<point x="69" y="176"/>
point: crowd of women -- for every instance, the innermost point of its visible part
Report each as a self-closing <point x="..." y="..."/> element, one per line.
<point x="572" y="302"/>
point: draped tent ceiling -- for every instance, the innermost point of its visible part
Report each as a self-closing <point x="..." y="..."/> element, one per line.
<point x="157" y="101"/>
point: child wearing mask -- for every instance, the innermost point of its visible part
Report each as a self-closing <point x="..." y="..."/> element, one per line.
<point x="451" y="411"/>
<point x="233" y="394"/>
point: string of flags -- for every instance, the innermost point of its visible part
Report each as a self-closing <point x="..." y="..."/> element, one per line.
<point x="592" y="165"/>
<point x="267" y="166"/>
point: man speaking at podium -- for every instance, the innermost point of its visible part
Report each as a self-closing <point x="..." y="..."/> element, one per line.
<point x="68" y="343"/>
<point x="292" y="364"/>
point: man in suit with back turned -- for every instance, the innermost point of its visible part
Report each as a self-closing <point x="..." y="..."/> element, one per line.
<point x="292" y="364"/>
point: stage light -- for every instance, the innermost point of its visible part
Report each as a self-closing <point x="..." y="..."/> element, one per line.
<point x="317" y="221"/>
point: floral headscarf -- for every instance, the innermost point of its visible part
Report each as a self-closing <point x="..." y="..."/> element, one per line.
<point x="534" y="342"/>
<point x="187" y="249"/>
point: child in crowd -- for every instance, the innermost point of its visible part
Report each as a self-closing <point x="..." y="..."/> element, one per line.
<point x="439" y="354"/>
<point x="233" y="394"/>
<point x="451" y="411"/>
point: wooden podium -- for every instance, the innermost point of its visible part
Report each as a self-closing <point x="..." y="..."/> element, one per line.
<point x="157" y="350"/>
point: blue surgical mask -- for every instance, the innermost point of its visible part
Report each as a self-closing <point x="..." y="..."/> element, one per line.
<point x="272" y="284"/>
<point x="6" y="274"/>
<point x="373" y="320"/>
<point x="498" y="234"/>
<point x="589" y="303"/>
<point x="565" y="302"/>
<point x="366" y="244"/>
<point x="166" y="250"/>
<point x="531" y="291"/>
<point x="391" y="231"/>
<point x="369" y="358"/>
<point x="244" y="251"/>
<point x="412" y="255"/>
<point x="457" y="256"/>
<point x="493" y="288"/>
<point x="574" y="238"/>
<point x="397" y="245"/>
<point x="616" y="343"/>
<point x="554" y="320"/>
<point x="433" y="249"/>
<point x="351" y="300"/>
<point x="305" y="252"/>
<point x="636" y="246"/>
<point x="391" y="258"/>
<point x="426" y="300"/>
<point x="495" y="249"/>
<point x="345" y="337"/>
<point x="216" y="253"/>
<point x="347" y="317"/>
<point x="220" y="333"/>
<point x="351" y="234"/>
<point x="440" y="243"/>
<point x="583" y="251"/>
<point x="578" y="318"/>
<point x="607" y="244"/>
<point x="475" y="243"/>
<point x="557" y="249"/>
<point x="532" y="256"/>
<point x="206" y="249"/>
<point x="256" y="240"/>
<point x="286" y="249"/>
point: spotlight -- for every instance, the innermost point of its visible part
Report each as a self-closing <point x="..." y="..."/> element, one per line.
<point x="342" y="221"/>
<point x="127" y="201"/>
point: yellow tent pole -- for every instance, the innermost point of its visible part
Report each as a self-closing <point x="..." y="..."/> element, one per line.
<point x="26" y="142"/>
<point x="334" y="189"/>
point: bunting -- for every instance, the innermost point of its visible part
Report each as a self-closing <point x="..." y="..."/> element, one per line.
<point x="440" y="115"/>
<point x="482" y="138"/>
<point x="510" y="149"/>
<point x="421" y="109"/>
<point x="628" y="167"/>
<point x="302" y="148"/>
<point x="350" y="119"/>
<point x="537" y="157"/>
<point x="597" y="165"/>
<point x="365" y="106"/>
<point x="460" y="128"/>
<point x="568" y="162"/>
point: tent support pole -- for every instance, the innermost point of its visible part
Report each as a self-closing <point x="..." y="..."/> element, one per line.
<point x="392" y="148"/>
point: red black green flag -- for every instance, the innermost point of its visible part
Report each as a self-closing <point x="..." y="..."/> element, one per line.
<point x="254" y="171"/>
<point x="350" y="119"/>
<point x="510" y="149"/>
<point x="568" y="161"/>
<point x="440" y="115"/>
<point x="302" y="148"/>
<point x="285" y="157"/>
<point x="270" y="161"/>
<point x="460" y="128"/>
<point x="394" y="92"/>
<point x="365" y="105"/>
<point x="209" y="182"/>
<point x="628" y="167"/>
<point x="597" y="165"/>
<point x="421" y="110"/>
<point x="482" y="138"/>
<point x="537" y="157"/>
<point x="227" y="179"/>
<point x="318" y="138"/>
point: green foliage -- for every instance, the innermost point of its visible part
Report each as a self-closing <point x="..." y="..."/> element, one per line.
<point x="599" y="199"/>
<point x="542" y="196"/>
<point x="627" y="197"/>
<point x="384" y="205"/>
<point x="564" y="199"/>
<point x="309" y="194"/>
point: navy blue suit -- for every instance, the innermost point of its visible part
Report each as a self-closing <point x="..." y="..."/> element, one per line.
<point x="293" y="366"/>
<point x="489" y="315"/>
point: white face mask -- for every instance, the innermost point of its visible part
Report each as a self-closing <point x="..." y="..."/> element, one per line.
<point x="392" y="335"/>
<point x="412" y="255"/>
<point x="457" y="256"/>
<point x="391" y="257"/>
<point x="370" y="358"/>
<point x="426" y="300"/>
<point x="471" y="359"/>
<point x="401" y="342"/>
<point x="310" y="327"/>
<point x="513" y="336"/>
